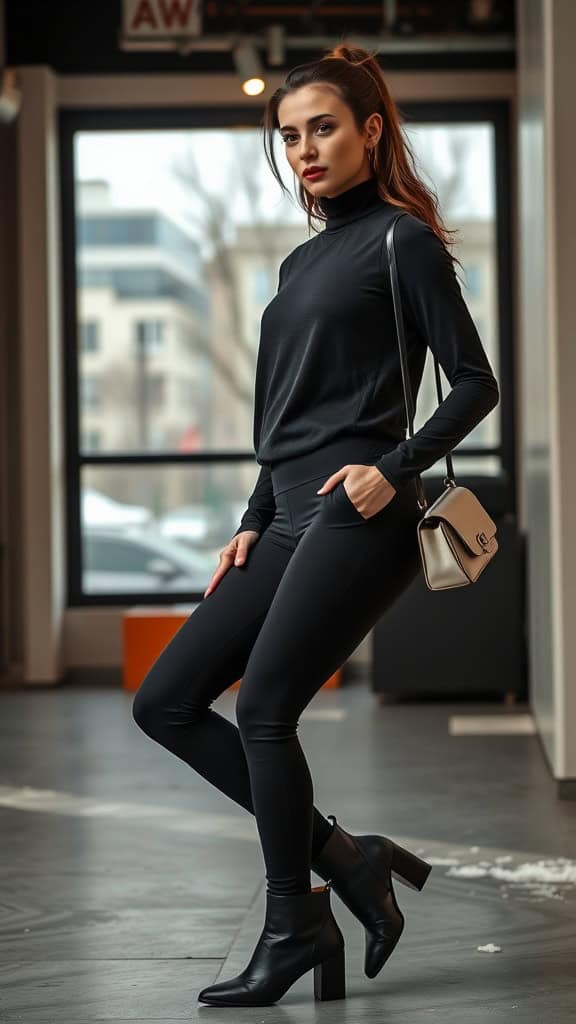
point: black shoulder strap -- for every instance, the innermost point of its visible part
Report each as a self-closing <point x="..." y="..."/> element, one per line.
<point x="409" y="401"/>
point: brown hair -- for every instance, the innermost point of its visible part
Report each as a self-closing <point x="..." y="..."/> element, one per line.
<point x="359" y="79"/>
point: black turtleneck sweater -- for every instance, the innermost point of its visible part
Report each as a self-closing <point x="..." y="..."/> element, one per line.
<point x="328" y="362"/>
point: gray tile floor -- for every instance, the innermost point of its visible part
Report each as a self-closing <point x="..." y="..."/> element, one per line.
<point x="128" y="883"/>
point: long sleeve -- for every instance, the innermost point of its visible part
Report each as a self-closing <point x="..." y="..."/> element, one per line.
<point x="432" y="300"/>
<point x="261" y="504"/>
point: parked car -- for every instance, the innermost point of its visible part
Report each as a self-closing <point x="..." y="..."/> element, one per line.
<point x="138" y="560"/>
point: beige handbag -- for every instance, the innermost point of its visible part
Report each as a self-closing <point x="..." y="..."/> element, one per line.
<point x="456" y="536"/>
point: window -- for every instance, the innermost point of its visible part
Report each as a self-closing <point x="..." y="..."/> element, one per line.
<point x="459" y="159"/>
<point x="89" y="336"/>
<point x="90" y="394"/>
<point x="150" y="335"/>
<point x="167" y="274"/>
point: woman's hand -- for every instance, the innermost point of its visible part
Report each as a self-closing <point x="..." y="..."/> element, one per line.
<point x="368" y="489"/>
<point x="235" y="552"/>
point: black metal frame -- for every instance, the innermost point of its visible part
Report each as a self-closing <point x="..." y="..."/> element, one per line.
<point x="73" y="120"/>
<point x="498" y="114"/>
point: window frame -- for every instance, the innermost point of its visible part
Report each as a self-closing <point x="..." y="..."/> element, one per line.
<point x="499" y="490"/>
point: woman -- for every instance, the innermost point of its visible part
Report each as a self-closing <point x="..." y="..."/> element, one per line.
<point x="328" y="540"/>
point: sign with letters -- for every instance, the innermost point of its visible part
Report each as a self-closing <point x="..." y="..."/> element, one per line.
<point x="154" y="19"/>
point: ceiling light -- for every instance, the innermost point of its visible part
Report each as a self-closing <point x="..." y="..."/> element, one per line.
<point x="249" y="68"/>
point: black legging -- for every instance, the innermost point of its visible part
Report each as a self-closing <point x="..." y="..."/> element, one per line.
<point x="313" y="585"/>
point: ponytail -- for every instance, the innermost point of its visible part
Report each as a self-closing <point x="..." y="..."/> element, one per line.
<point x="359" y="79"/>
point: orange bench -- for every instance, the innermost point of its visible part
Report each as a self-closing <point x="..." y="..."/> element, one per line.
<point x="147" y="630"/>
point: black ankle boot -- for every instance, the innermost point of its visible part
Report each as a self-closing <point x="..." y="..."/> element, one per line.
<point x="359" y="869"/>
<point x="300" y="932"/>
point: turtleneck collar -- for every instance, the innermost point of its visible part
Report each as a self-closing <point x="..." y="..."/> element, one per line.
<point x="355" y="202"/>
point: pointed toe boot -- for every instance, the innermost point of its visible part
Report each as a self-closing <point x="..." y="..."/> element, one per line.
<point x="300" y="933"/>
<point x="360" y="869"/>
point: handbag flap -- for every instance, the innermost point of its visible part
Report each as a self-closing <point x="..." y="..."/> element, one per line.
<point x="460" y="507"/>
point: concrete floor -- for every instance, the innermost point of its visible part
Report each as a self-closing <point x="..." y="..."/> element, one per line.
<point x="128" y="883"/>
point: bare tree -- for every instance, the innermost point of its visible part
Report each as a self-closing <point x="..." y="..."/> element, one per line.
<point x="447" y="177"/>
<point x="242" y="177"/>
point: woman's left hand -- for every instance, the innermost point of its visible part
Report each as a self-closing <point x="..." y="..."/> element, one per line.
<point x="367" y="488"/>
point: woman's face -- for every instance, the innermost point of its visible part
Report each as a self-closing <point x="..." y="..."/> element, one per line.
<point x="331" y="141"/>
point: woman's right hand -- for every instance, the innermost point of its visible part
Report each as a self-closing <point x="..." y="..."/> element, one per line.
<point x="235" y="553"/>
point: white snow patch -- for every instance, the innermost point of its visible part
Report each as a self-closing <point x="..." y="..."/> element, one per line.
<point x="550" y="869"/>
<point x="51" y="801"/>
<point x="539" y="879"/>
<point x="467" y="871"/>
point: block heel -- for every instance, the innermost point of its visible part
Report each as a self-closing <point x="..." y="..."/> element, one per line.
<point x="330" y="977"/>
<point x="409" y="869"/>
<point x="300" y="933"/>
<point x="359" y="869"/>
